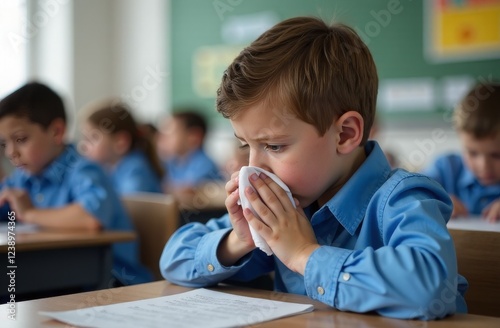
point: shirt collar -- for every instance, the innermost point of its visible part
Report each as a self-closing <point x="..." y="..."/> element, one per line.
<point x="351" y="201"/>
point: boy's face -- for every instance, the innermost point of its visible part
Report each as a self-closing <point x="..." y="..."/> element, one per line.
<point x="28" y="145"/>
<point x="482" y="156"/>
<point x="173" y="139"/>
<point x="292" y="149"/>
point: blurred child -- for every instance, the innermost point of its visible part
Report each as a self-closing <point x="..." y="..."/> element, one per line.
<point x="113" y="139"/>
<point x="53" y="186"/>
<point x="188" y="166"/>
<point x="2" y="171"/>
<point x="238" y="159"/>
<point x="473" y="178"/>
<point x="363" y="237"/>
<point x="150" y="131"/>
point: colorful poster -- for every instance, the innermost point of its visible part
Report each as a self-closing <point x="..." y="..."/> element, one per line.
<point x="209" y="63"/>
<point x="462" y="29"/>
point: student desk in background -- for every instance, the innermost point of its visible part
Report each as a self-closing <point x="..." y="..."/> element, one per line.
<point x="48" y="261"/>
<point x="322" y="316"/>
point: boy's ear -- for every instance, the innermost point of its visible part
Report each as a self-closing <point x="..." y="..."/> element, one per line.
<point x="122" y="142"/>
<point x="350" y="128"/>
<point x="58" y="130"/>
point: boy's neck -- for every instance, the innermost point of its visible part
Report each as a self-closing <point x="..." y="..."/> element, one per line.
<point x="353" y="161"/>
<point x="59" y="150"/>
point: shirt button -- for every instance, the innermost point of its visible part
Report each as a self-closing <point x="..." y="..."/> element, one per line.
<point x="321" y="291"/>
<point x="210" y="267"/>
<point x="39" y="198"/>
<point x="346" y="276"/>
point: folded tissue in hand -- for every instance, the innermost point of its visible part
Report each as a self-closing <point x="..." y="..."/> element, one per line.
<point x="244" y="175"/>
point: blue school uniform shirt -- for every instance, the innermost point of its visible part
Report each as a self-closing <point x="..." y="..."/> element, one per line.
<point x="456" y="178"/>
<point x="192" y="170"/>
<point x="133" y="173"/>
<point x="384" y="247"/>
<point x="71" y="178"/>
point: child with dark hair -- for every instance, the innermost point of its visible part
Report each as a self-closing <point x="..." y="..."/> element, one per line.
<point x="473" y="178"/>
<point x="53" y="186"/>
<point x="358" y="235"/>
<point x="181" y="143"/>
<point x="113" y="139"/>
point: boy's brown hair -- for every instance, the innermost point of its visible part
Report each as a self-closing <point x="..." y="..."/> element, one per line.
<point x="317" y="71"/>
<point x="478" y="112"/>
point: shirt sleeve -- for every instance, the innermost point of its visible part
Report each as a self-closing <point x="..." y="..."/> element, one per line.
<point x="414" y="273"/>
<point x="5" y="208"/>
<point x="190" y="256"/>
<point x="93" y="191"/>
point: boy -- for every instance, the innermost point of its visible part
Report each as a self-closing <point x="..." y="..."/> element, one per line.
<point x="363" y="238"/>
<point x="187" y="165"/>
<point x="53" y="186"/>
<point x="473" y="179"/>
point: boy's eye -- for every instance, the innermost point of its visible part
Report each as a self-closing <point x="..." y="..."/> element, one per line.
<point x="495" y="156"/>
<point x="245" y="146"/>
<point x="472" y="153"/>
<point x="273" y="148"/>
<point x="21" y="140"/>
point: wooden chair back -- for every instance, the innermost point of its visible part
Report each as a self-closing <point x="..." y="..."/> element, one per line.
<point x="478" y="257"/>
<point x="155" y="218"/>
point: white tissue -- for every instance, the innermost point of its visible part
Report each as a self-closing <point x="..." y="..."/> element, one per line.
<point x="244" y="175"/>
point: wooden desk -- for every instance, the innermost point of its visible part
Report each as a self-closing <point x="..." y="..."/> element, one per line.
<point x="322" y="316"/>
<point x="49" y="260"/>
<point x="473" y="224"/>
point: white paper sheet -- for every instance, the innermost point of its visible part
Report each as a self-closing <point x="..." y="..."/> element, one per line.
<point x="473" y="223"/>
<point x="196" y="308"/>
<point x="19" y="227"/>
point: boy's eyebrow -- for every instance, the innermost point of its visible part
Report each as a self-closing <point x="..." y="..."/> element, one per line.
<point x="264" y="138"/>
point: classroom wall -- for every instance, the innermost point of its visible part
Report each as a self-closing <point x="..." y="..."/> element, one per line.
<point x="92" y="49"/>
<point x="144" y="50"/>
<point x="394" y="30"/>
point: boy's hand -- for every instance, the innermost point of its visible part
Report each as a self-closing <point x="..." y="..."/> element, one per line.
<point x="492" y="212"/>
<point x="459" y="208"/>
<point x="285" y="229"/>
<point x="239" y="241"/>
<point x="19" y="201"/>
<point x="240" y="225"/>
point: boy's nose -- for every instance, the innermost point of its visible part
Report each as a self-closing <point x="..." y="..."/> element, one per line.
<point x="485" y="164"/>
<point x="257" y="159"/>
<point x="10" y="152"/>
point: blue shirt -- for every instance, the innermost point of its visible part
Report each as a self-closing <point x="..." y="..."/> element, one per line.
<point x="192" y="170"/>
<point x="384" y="247"/>
<point x="70" y="178"/>
<point x="133" y="174"/>
<point x="456" y="178"/>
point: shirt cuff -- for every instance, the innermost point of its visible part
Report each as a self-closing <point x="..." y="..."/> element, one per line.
<point x="322" y="273"/>
<point x="206" y="262"/>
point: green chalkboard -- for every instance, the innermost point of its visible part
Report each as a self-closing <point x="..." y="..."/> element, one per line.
<point x="396" y="41"/>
